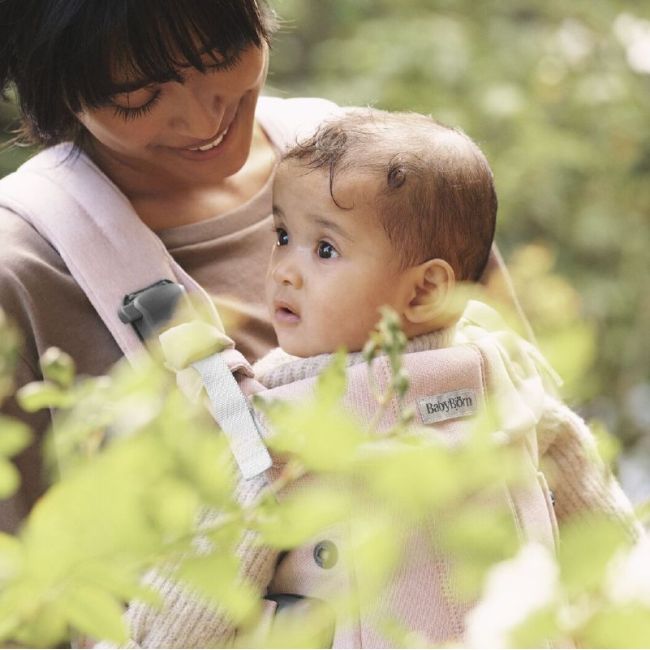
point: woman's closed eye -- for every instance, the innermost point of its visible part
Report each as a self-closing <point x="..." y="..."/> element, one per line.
<point x="132" y="112"/>
<point x="326" y="250"/>
<point x="134" y="104"/>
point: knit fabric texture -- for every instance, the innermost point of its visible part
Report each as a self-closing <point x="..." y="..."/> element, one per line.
<point x="278" y="368"/>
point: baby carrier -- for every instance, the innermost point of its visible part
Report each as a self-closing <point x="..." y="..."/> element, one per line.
<point x="133" y="283"/>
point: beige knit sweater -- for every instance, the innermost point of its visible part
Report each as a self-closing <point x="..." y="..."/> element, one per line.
<point x="568" y="455"/>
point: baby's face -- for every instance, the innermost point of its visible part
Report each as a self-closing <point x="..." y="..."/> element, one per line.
<point x="331" y="269"/>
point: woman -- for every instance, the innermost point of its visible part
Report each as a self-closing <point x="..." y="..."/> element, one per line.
<point x="163" y="96"/>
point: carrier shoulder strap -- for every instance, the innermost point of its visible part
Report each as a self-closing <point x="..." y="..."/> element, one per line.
<point x="92" y="225"/>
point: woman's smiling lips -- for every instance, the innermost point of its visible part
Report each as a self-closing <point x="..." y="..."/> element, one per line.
<point x="209" y="149"/>
<point x="210" y="144"/>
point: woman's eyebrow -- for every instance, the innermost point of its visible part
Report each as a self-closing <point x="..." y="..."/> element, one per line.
<point x="128" y="86"/>
<point x="137" y="84"/>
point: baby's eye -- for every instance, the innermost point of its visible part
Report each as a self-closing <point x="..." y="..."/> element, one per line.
<point x="282" y="236"/>
<point x="326" y="251"/>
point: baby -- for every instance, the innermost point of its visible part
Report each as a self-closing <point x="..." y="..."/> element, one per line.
<point x="376" y="209"/>
<point x="396" y="209"/>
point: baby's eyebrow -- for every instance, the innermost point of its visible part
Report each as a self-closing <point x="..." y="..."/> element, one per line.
<point x="332" y="225"/>
<point x="277" y="211"/>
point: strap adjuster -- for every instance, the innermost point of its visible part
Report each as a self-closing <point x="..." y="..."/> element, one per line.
<point x="149" y="309"/>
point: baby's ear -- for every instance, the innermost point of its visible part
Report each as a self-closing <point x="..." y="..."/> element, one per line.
<point x="433" y="283"/>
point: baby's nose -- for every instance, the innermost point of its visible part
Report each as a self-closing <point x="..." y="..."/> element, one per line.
<point x="287" y="273"/>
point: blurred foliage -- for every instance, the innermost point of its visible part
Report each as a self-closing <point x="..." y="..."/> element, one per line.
<point x="140" y="464"/>
<point x="15" y="435"/>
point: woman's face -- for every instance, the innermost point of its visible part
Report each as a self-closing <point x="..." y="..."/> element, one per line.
<point x="190" y="133"/>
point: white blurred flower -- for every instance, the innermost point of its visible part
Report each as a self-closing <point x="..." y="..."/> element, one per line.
<point x="513" y="591"/>
<point x="634" y="34"/>
<point x="503" y="100"/>
<point x="628" y="575"/>
<point x="575" y="41"/>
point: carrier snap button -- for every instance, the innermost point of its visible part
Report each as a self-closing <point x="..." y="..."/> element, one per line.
<point x="326" y="554"/>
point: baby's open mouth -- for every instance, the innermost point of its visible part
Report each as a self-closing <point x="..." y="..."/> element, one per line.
<point x="284" y="314"/>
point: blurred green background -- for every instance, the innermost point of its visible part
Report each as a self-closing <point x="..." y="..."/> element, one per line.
<point x="558" y="95"/>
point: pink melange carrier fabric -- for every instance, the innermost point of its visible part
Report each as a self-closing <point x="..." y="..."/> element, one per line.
<point x="111" y="253"/>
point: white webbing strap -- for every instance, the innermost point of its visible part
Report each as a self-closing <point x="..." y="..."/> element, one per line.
<point x="231" y="411"/>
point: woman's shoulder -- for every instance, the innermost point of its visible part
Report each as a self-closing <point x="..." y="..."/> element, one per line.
<point x="287" y="120"/>
<point x="24" y="253"/>
<point x="29" y="266"/>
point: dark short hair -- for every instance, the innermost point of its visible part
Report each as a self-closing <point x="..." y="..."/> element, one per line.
<point x="435" y="192"/>
<point x="61" y="55"/>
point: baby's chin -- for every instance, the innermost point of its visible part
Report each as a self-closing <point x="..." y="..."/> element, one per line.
<point x="304" y="349"/>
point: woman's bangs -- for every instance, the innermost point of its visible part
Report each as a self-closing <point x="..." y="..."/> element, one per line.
<point x="148" y="41"/>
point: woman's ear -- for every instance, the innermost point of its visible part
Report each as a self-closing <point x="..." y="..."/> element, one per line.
<point x="433" y="283"/>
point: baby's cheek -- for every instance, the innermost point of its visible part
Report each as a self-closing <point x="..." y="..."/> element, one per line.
<point x="334" y="312"/>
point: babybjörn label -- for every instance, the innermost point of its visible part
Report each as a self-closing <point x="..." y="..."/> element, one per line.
<point x="455" y="404"/>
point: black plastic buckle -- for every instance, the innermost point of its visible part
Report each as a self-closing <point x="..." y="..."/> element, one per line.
<point x="149" y="309"/>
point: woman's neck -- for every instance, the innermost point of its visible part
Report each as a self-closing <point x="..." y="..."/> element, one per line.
<point x="165" y="203"/>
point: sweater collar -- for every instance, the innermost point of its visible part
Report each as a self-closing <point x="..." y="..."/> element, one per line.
<point x="279" y="368"/>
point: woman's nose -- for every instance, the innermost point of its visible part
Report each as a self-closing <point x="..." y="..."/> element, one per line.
<point x="287" y="272"/>
<point x="201" y="114"/>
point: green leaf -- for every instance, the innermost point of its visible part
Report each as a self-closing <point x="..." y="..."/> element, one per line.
<point x="309" y="623"/>
<point x="120" y="579"/>
<point x="318" y="431"/>
<point x="14" y="436"/>
<point x="216" y="577"/>
<point x="47" y="629"/>
<point x="332" y="382"/>
<point x="9" y="623"/>
<point x="20" y="604"/>
<point x="206" y="461"/>
<point x="58" y="367"/>
<point x="377" y="543"/>
<point x="322" y="437"/>
<point x="588" y="544"/>
<point x="301" y="516"/>
<point x="105" y="508"/>
<point x="475" y="554"/>
<point x="11" y="557"/>
<point x="619" y="627"/>
<point x="94" y="612"/>
<point x="174" y="506"/>
<point x="38" y="395"/>
<point x="437" y="475"/>
<point x="539" y="630"/>
<point x="9" y="479"/>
